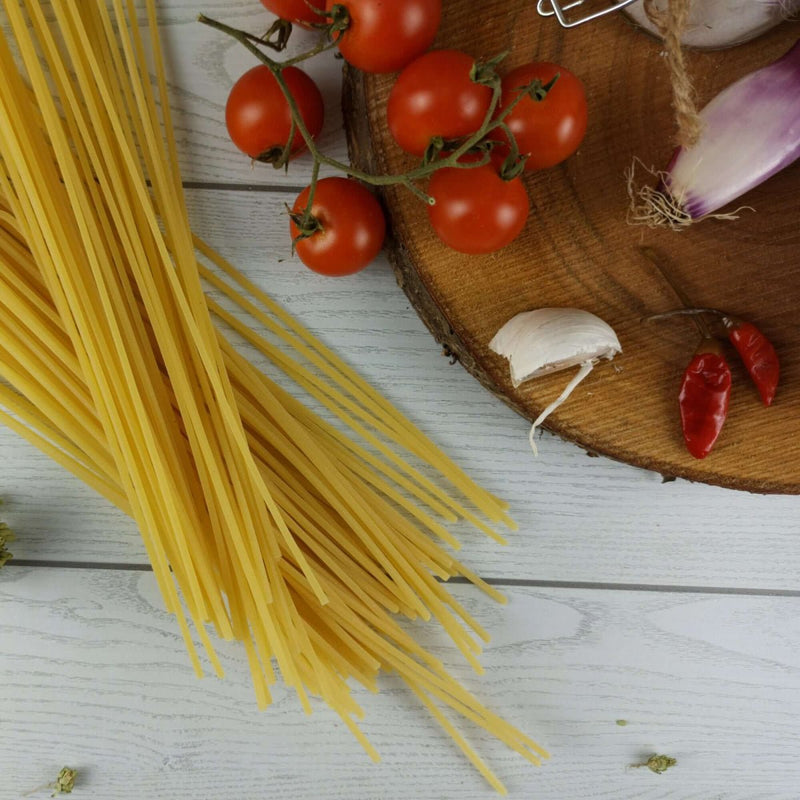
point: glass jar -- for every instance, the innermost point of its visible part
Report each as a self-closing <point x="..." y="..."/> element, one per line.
<point x="715" y="24"/>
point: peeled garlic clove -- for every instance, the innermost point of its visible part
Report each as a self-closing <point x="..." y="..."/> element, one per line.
<point x="547" y="340"/>
<point x="550" y="339"/>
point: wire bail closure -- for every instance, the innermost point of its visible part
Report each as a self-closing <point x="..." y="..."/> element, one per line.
<point x="549" y="8"/>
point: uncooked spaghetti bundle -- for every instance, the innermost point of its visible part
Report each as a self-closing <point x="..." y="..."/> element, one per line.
<point x="300" y="537"/>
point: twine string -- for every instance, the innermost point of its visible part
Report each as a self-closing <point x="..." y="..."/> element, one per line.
<point x="671" y="23"/>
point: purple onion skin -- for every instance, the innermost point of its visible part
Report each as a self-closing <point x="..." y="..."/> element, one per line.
<point x="751" y="130"/>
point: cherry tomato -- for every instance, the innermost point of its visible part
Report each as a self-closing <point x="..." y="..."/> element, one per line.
<point x="551" y="129"/>
<point x="434" y="96"/>
<point x="476" y="211"/>
<point x="258" y="117"/>
<point x="385" y="35"/>
<point x="352" y="227"/>
<point x="298" y="11"/>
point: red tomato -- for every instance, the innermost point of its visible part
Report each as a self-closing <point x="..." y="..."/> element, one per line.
<point x="352" y="227"/>
<point x="258" y="117"/>
<point x="385" y="35"/>
<point x="298" y="11"/>
<point x="434" y="96"/>
<point x="476" y="211"/>
<point x="550" y="130"/>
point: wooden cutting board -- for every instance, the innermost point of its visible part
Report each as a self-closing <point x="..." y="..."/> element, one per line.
<point x="579" y="251"/>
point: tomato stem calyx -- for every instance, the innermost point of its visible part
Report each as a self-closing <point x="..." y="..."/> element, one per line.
<point x="339" y="22"/>
<point x="277" y="35"/>
<point x="306" y="223"/>
<point x="512" y="167"/>
<point x="484" y="71"/>
<point x="277" y="156"/>
<point x="434" y="149"/>
<point x="538" y="90"/>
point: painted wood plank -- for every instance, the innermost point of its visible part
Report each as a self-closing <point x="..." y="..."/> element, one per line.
<point x="94" y="676"/>
<point x="580" y="518"/>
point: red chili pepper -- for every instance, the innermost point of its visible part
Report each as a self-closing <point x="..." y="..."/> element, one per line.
<point x="756" y="351"/>
<point x="757" y="354"/>
<point x="704" y="397"/>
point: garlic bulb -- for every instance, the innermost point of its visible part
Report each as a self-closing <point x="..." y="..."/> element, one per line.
<point x="547" y="340"/>
<point x="715" y="24"/>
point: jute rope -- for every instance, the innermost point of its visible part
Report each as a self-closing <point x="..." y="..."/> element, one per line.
<point x="671" y="23"/>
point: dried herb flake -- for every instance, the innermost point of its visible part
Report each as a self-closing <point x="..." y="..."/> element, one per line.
<point x="6" y="536"/>
<point x="658" y="763"/>
<point x="65" y="782"/>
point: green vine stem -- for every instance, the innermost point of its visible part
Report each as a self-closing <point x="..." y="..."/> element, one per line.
<point x="306" y="223"/>
<point x="484" y="73"/>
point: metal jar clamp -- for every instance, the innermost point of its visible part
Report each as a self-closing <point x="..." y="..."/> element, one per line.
<point x="549" y="8"/>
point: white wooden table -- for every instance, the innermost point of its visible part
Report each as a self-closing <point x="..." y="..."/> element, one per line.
<point x="673" y="606"/>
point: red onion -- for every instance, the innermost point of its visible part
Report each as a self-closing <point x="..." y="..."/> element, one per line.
<point x="751" y="130"/>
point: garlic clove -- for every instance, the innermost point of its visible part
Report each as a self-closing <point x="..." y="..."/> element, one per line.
<point x="547" y="340"/>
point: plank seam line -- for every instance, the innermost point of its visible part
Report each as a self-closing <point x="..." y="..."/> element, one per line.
<point x="244" y="187"/>
<point x="666" y="588"/>
<point x="529" y="583"/>
<point x="100" y="565"/>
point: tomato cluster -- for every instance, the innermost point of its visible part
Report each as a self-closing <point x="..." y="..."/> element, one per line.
<point x="482" y="209"/>
<point x="534" y="119"/>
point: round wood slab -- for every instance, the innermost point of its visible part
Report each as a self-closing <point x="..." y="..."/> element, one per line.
<point x="579" y="251"/>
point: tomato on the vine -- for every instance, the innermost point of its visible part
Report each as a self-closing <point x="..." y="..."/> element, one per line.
<point x="351" y="227"/>
<point x="548" y="130"/>
<point x="435" y="96"/>
<point x="476" y="211"/>
<point x="298" y="11"/>
<point x="385" y="35"/>
<point x="258" y="116"/>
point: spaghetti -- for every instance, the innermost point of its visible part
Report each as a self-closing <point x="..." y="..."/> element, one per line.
<point x="260" y="518"/>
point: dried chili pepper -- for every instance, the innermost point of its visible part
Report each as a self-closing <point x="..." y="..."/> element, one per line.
<point x="754" y="348"/>
<point x="706" y="386"/>
<point x="757" y="354"/>
<point x="704" y="398"/>
<point x="705" y="391"/>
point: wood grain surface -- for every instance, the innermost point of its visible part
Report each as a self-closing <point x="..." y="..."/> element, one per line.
<point x="94" y="676"/>
<point x="578" y="250"/>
